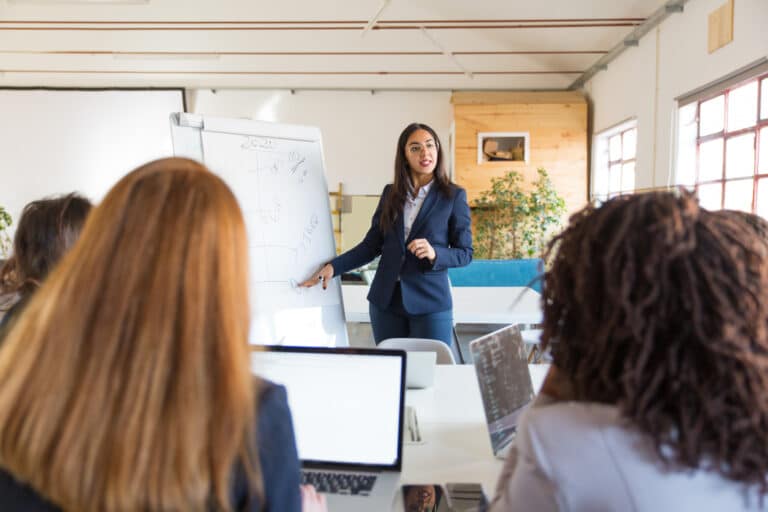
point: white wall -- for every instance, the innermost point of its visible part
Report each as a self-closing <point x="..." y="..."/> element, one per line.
<point x="669" y="62"/>
<point x="359" y="129"/>
<point x="61" y="141"/>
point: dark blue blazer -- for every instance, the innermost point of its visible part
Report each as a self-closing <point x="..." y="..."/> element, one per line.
<point x="277" y="455"/>
<point x="445" y="223"/>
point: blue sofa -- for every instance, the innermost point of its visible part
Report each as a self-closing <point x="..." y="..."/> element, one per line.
<point x="499" y="273"/>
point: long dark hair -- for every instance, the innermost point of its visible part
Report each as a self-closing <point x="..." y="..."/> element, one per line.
<point x="398" y="192"/>
<point x="47" y="229"/>
<point x="659" y="307"/>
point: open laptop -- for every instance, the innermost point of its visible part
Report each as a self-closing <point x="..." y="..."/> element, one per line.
<point x="505" y="383"/>
<point x="347" y="409"/>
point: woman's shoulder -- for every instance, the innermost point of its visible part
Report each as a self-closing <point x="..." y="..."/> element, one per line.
<point x="562" y="439"/>
<point x="18" y="496"/>
<point x="456" y="190"/>
<point x="565" y="419"/>
<point x="271" y="396"/>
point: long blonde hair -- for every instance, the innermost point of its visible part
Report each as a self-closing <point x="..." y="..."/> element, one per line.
<point x="125" y="385"/>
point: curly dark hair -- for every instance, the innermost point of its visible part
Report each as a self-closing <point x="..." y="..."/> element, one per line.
<point x="660" y="307"/>
<point x="758" y="224"/>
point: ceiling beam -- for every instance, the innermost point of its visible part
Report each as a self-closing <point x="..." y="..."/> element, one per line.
<point x="446" y="52"/>
<point x="372" y="22"/>
<point x="246" y="53"/>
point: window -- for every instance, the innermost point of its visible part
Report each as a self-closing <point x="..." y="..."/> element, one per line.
<point x="723" y="147"/>
<point x="614" y="172"/>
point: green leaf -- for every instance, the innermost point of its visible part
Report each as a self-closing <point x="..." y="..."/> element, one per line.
<point x="512" y="223"/>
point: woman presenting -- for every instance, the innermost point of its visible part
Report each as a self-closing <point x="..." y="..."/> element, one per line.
<point x="420" y="228"/>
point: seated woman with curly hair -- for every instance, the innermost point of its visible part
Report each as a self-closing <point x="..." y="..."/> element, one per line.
<point x="657" y="317"/>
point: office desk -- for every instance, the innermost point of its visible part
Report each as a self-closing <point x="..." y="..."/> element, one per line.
<point x="471" y="304"/>
<point x="456" y="446"/>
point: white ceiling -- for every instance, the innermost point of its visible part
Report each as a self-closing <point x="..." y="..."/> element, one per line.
<point x="414" y="44"/>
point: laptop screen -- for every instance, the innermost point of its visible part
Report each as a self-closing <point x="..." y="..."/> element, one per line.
<point x="504" y="380"/>
<point x="346" y="404"/>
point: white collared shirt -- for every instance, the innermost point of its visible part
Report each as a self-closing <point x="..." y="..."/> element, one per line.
<point x="413" y="206"/>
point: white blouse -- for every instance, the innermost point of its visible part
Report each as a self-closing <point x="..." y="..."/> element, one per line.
<point x="413" y="206"/>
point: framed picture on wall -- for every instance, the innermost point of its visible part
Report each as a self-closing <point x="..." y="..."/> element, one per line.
<point x="503" y="147"/>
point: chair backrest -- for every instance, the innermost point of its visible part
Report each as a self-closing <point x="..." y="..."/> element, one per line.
<point x="444" y="354"/>
<point x="499" y="273"/>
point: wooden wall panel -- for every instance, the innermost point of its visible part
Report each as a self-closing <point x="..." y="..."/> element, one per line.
<point x="720" y="27"/>
<point x="558" y="141"/>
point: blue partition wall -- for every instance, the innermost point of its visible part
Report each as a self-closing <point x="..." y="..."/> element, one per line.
<point x="499" y="273"/>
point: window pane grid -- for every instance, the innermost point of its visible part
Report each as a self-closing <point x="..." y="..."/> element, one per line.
<point x="615" y="172"/>
<point x="731" y="156"/>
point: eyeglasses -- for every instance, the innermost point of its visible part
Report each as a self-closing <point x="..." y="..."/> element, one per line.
<point x="415" y="149"/>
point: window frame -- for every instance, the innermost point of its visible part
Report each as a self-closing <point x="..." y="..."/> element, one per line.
<point x="603" y="147"/>
<point x="726" y="135"/>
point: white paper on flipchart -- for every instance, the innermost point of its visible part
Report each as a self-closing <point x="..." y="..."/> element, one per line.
<point x="276" y="173"/>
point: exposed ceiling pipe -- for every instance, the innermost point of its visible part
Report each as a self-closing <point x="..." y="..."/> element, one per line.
<point x="632" y="39"/>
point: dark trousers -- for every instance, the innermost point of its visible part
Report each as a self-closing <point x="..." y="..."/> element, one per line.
<point x="396" y="322"/>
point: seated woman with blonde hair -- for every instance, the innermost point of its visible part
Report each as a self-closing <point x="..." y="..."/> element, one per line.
<point x="657" y="317"/>
<point x="126" y="383"/>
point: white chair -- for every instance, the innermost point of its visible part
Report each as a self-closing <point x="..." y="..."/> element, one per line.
<point x="443" y="351"/>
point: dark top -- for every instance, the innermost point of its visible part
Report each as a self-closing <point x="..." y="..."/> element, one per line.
<point x="445" y="222"/>
<point x="277" y="455"/>
<point x="13" y="312"/>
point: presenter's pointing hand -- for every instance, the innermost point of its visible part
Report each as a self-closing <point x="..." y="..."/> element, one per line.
<point x="421" y="248"/>
<point x="324" y="275"/>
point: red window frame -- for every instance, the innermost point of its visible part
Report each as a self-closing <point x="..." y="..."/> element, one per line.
<point x="726" y="135"/>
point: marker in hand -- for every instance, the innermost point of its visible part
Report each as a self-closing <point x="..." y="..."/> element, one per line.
<point x="322" y="277"/>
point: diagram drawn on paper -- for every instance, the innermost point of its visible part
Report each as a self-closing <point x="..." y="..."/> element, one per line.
<point x="282" y="192"/>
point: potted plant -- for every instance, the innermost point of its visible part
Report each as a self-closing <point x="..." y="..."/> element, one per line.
<point x="5" y="239"/>
<point x="512" y="222"/>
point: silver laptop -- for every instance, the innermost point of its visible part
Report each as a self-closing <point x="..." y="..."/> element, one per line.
<point x="347" y="409"/>
<point x="505" y="383"/>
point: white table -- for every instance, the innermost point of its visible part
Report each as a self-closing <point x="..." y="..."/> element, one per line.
<point x="471" y="304"/>
<point x="456" y="445"/>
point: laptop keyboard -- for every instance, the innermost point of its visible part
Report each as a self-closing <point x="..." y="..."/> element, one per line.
<point x="339" y="483"/>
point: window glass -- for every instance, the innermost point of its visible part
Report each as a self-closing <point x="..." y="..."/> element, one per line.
<point x="629" y="144"/>
<point x="685" y="173"/>
<point x="738" y="195"/>
<point x="712" y="116"/>
<point x="614" y="148"/>
<point x="628" y="177"/>
<point x="600" y="185"/>
<point x="711" y="160"/>
<point x="687" y="114"/>
<point x="764" y="99"/>
<point x="762" y="198"/>
<point x="710" y="196"/>
<point x="742" y="107"/>
<point x="740" y="156"/>
<point x="614" y="178"/>
<point x="762" y="153"/>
